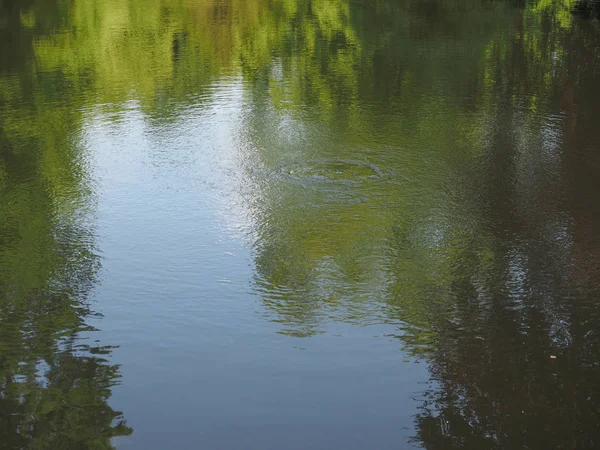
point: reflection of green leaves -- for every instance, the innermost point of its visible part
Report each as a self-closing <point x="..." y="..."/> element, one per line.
<point x="392" y="171"/>
<point x="68" y="410"/>
<point x="560" y="11"/>
<point x="318" y="61"/>
<point x="54" y="391"/>
<point x="446" y="121"/>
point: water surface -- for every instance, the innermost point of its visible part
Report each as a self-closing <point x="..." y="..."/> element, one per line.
<point x="299" y="224"/>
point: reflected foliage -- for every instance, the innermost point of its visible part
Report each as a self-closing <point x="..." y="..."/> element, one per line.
<point x="456" y="201"/>
<point x="427" y="164"/>
<point x="54" y="387"/>
<point x="515" y="354"/>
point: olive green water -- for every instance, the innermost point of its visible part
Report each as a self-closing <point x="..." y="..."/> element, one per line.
<point x="299" y="224"/>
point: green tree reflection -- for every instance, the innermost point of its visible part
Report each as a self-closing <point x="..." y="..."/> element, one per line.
<point x="471" y="231"/>
<point x="54" y="387"/>
<point x="412" y="162"/>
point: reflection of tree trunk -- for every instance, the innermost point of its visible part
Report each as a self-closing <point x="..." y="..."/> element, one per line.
<point x="14" y="44"/>
<point x="587" y="8"/>
<point x="581" y="156"/>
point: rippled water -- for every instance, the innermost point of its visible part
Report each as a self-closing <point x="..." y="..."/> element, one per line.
<point x="299" y="224"/>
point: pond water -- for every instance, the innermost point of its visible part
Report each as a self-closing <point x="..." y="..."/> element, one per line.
<point x="299" y="224"/>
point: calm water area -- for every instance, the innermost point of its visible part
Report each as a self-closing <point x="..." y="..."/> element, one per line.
<point x="299" y="225"/>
